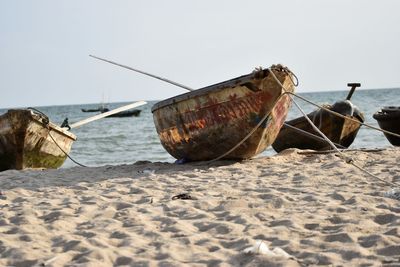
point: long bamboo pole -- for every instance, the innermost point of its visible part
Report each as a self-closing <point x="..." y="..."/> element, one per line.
<point x="145" y="73"/>
<point x="105" y="114"/>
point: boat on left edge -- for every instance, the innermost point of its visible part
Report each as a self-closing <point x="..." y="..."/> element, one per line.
<point x="26" y="141"/>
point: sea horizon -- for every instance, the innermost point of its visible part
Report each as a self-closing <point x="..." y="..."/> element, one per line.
<point x="157" y="100"/>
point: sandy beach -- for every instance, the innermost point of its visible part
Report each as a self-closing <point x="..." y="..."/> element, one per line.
<point x="293" y="209"/>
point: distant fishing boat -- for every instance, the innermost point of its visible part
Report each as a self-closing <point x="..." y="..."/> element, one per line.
<point x="206" y="123"/>
<point x="298" y="133"/>
<point x="389" y="119"/>
<point x="99" y="109"/>
<point x="127" y="113"/>
<point x="26" y="141"/>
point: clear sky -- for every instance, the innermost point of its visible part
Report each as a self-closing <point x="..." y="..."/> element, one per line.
<point x="44" y="46"/>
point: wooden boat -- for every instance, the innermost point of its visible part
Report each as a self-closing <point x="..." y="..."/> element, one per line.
<point x="127" y="113"/>
<point x="26" y="141"/>
<point x="207" y="123"/>
<point x="389" y="119"/>
<point x="99" y="109"/>
<point x="298" y="133"/>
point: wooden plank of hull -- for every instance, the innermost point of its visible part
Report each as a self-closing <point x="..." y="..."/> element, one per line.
<point x="338" y="130"/>
<point x="25" y="141"/>
<point x="206" y="123"/>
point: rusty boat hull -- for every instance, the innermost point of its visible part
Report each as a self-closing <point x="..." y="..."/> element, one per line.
<point x="389" y="119"/>
<point x="340" y="131"/>
<point x="26" y="141"/>
<point x="207" y="123"/>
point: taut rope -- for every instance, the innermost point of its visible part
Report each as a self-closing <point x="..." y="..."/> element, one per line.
<point x="348" y="160"/>
<point x="46" y="122"/>
<point x="262" y="120"/>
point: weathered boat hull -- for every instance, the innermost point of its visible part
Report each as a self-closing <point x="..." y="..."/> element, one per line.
<point x="207" y="123"/>
<point x="389" y="119"/>
<point x="25" y="141"/>
<point x="339" y="130"/>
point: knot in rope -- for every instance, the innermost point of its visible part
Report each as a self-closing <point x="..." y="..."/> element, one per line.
<point x="280" y="67"/>
<point x="44" y="118"/>
<point x="65" y="124"/>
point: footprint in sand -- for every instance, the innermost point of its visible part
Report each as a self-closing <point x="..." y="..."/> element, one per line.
<point x="392" y="232"/>
<point x="25" y="238"/>
<point x="215" y="228"/>
<point x="52" y="216"/>
<point x="341" y="237"/>
<point x="311" y="226"/>
<point x="390" y="251"/>
<point x="369" y="241"/>
<point x="385" y="218"/>
<point x="286" y="223"/>
<point x="236" y="244"/>
<point x="118" y="235"/>
<point x="310" y="258"/>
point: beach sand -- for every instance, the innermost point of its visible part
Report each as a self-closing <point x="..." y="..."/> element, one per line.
<point x="315" y="207"/>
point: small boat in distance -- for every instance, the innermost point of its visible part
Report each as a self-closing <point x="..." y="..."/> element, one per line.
<point x="389" y="119"/>
<point x="101" y="108"/>
<point x="207" y="123"/>
<point x="30" y="140"/>
<point x="298" y="133"/>
<point x="126" y="113"/>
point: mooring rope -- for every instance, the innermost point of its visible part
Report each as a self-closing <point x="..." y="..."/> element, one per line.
<point x="343" y="116"/>
<point x="250" y="133"/>
<point x="263" y="118"/>
<point x="80" y="164"/>
<point x="347" y="159"/>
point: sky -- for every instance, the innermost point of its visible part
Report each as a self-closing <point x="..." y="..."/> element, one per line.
<point x="45" y="46"/>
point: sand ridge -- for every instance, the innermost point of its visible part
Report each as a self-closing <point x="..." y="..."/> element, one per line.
<point x="315" y="207"/>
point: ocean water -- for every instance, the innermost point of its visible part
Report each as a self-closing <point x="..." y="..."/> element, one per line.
<point x="113" y="141"/>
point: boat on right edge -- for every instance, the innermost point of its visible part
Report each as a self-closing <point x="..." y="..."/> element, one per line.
<point x="389" y="119"/>
<point x="298" y="133"/>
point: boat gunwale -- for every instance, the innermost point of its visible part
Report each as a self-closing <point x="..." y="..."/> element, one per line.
<point x="386" y="116"/>
<point x="203" y="91"/>
<point x="39" y="119"/>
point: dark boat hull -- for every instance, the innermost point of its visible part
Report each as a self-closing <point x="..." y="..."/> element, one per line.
<point x="101" y="109"/>
<point x="207" y="123"/>
<point x="389" y="119"/>
<point x="339" y="130"/>
<point x="127" y="113"/>
<point x="25" y="141"/>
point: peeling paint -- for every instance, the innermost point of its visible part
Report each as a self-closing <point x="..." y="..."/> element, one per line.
<point x="205" y="126"/>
